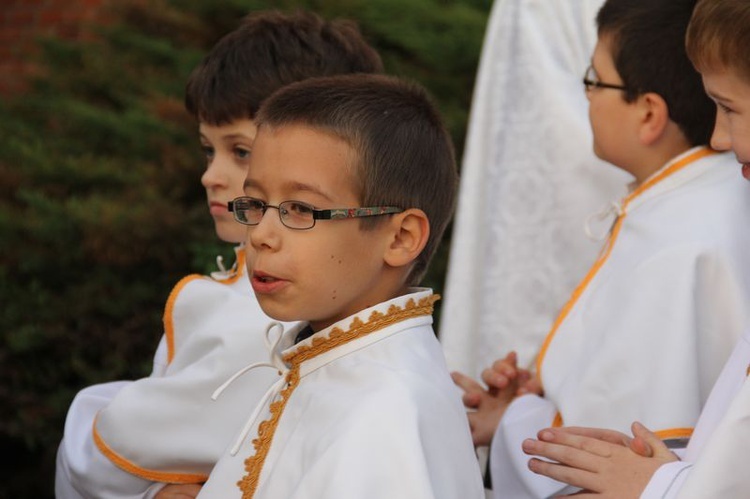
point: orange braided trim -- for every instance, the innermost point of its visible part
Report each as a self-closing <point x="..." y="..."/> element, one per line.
<point x="168" y="317"/>
<point x="145" y="473"/>
<point x="674" y="433"/>
<point x="337" y="337"/>
<point x="558" y="421"/>
<point x="266" y="430"/>
<point x="357" y="328"/>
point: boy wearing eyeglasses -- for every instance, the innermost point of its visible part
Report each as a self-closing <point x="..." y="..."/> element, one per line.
<point x="350" y="186"/>
<point x="646" y="333"/>
<point x="130" y="439"/>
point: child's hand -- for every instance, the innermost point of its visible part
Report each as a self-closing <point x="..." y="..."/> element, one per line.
<point x="488" y="406"/>
<point x="605" y="463"/>
<point x="506" y="371"/>
<point x="179" y="491"/>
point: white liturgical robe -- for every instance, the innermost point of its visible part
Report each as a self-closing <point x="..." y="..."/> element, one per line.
<point x="646" y="334"/>
<point x="364" y="409"/>
<point x="714" y="462"/>
<point x="126" y="439"/>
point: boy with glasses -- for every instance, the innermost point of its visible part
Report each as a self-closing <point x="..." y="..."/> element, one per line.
<point x="646" y="333"/>
<point x="129" y="439"/>
<point x="350" y="186"/>
<point x="611" y="464"/>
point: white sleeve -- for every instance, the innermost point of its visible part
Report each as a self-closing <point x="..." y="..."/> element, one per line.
<point x="666" y="481"/>
<point x="161" y="360"/>
<point x="81" y="470"/>
<point x="511" y="477"/>
<point x="721" y="470"/>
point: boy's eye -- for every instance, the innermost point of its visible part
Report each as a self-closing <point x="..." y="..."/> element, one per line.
<point x="208" y="152"/>
<point x="298" y="208"/>
<point x="249" y="203"/>
<point x="724" y="108"/>
<point x="242" y="153"/>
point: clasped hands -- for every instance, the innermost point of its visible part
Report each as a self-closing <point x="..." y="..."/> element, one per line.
<point x="603" y="463"/>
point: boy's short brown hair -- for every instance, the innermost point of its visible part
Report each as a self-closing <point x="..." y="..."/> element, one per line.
<point x="268" y="50"/>
<point x="648" y="49"/>
<point x="719" y="36"/>
<point x="404" y="154"/>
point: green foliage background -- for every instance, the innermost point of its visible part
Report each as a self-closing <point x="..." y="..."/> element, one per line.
<point x="102" y="211"/>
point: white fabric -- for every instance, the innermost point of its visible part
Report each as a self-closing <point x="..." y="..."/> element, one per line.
<point x="714" y="463"/>
<point x="165" y="428"/>
<point x="508" y="467"/>
<point x="375" y="417"/>
<point x="529" y="180"/>
<point x="649" y="334"/>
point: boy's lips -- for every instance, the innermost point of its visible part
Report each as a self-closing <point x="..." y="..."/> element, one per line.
<point x="266" y="283"/>
<point x="217" y="208"/>
<point x="746" y="171"/>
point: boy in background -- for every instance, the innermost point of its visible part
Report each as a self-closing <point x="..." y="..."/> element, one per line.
<point x="129" y="439"/>
<point x="714" y="464"/>
<point x="351" y="184"/>
<point x="646" y="333"/>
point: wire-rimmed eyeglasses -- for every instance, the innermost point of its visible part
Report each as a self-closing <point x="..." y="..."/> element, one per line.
<point x="298" y="215"/>
<point x="591" y="80"/>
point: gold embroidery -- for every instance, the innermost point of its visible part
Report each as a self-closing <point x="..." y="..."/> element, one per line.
<point x="337" y="337"/>
<point x="266" y="429"/>
<point x="357" y="328"/>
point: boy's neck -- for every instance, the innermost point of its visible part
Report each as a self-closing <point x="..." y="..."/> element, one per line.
<point x="658" y="154"/>
<point x="387" y="293"/>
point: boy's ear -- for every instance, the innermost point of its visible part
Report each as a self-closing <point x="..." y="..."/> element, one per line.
<point x="654" y="117"/>
<point x="410" y="231"/>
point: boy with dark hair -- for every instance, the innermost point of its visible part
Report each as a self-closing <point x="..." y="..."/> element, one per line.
<point x="646" y="333"/>
<point x="365" y="406"/>
<point x="129" y="439"/>
<point x="613" y="465"/>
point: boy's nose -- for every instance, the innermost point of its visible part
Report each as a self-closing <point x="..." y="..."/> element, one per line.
<point x="215" y="173"/>
<point x="720" y="138"/>
<point x="266" y="233"/>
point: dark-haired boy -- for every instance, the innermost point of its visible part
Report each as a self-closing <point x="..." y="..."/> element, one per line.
<point x="351" y="184"/>
<point x="646" y="333"/>
<point x="164" y="429"/>
<point x="714" y="464"/>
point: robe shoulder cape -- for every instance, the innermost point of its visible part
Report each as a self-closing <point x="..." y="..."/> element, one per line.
<point x="365" y="408"/>
<point x="125" y="439"/>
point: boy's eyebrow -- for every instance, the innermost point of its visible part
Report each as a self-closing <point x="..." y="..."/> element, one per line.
<point x="231" y="136"/>
<point x="718" y="96"/>
<point x="235" y="136"/>
<point x="293" y="186"/>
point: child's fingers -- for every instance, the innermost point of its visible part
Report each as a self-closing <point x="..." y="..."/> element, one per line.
<point x="532" y="384"/>
<point x="495" y="379"/>
<point x="561" y="453"/>
<point x="648" y="444"/>
<point x="471" y="400"/>
<point x="590" y="445"/>
<point x="466" y="383"/>
<point x="573" y="476"/>
<point x="611" y="436"/>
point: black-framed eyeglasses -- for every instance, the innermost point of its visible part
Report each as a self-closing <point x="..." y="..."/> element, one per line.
<point x="298" y="215"/>
<point x="591" y="80"/>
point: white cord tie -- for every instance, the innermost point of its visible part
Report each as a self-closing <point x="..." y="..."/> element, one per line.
<point x="277" y="363"/>
<point x="612" y="209"/>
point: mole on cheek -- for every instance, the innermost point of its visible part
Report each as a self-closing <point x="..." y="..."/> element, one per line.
<point x="333" y="295"/>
